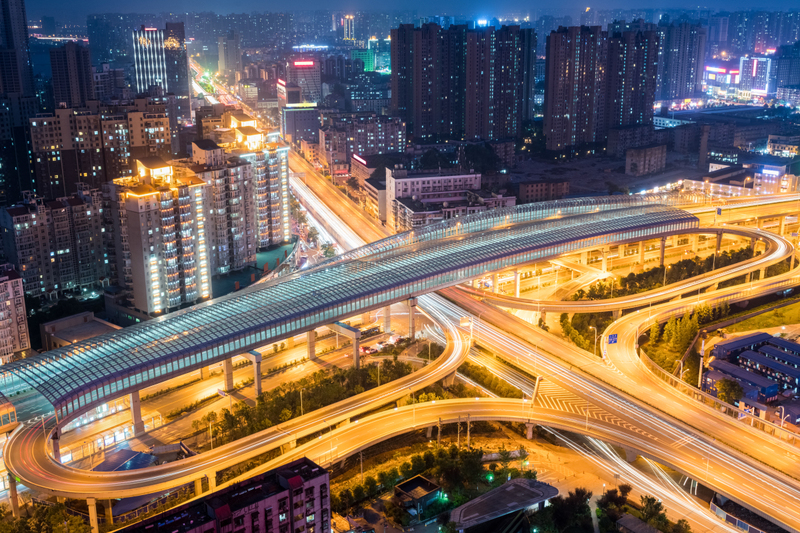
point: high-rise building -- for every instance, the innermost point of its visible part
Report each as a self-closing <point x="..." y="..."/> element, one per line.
<point x="57" y="245"/>
<point x="14" y="336"/>
<point x="148" y="59"/>
<point x="305" y="73"/>
<point x="17" y="101"/>
<point x="366" y="56"/>
<point x="631" y="78"/>
<point x="160" y="235"/>
<point x="460" y="83"/>
<point x="527" y="57"/>
<point x="177" y="68"/>
<point x="683" y="60"/>
<point x="349" y="28"/>
<point x="73" y="81"/>
<point x="95" y="146"/>
<point x="110" y="84"/>
<point x="756" y="76"/>
<point x="575" y="91"/>
<point x="347" y="135"/>
<point x="230" y="54"/>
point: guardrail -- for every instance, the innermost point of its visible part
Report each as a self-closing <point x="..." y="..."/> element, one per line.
<point x="732" y="520"/>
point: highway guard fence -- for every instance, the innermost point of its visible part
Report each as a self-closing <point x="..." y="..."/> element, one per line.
<point x="106" y="439"/>
<point x="732" y="520"/>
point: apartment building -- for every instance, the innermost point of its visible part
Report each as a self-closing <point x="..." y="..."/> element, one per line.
<point x="57" y="245"/>
<point x="13" y="319"/>
<point x="160" y="236"/>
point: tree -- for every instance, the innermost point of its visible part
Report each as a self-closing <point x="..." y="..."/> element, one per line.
<point x="504" y="456"/>
<point x="670" y="329"/>
<point x="352" y="182"/>
<point x="328" y="250"/>
<point x="346" y="497"/>
<point x="653" y="512"/>
<point x="682" y="526"/>
<point x="359" y="493"/>
<point x="655" y="331"/>
<point x="371" y="485"/>
<point x="572" y="511"/>
<point x="313" y="235"/>
<point x="729" y="390"/>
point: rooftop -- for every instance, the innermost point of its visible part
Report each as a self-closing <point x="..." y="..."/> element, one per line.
<point x="742" y="374"/>
<point x="417" y="487"/>
<point x="777" y="353"/>
<point x="205" y="144"/>
<point x="514" y="495"/>
<point x="631" y="523"/>
<point x="153" y="162"/>
<point x="743" y="342"/>
<point x="772" y="364"/>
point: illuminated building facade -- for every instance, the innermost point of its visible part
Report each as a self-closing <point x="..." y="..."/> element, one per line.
<point x="148" y="59"/>
<point x="756" y="77"/>
<point x="349" y="28"/>
<point x="305" y="73"/>
<point x="160" y="60"/>
<point x="159" y="226"/>
<point x="13" y="324"/>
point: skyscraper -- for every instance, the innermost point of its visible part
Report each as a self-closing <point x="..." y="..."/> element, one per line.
<point x="684" y="49"/>
<point x="17" y="101"/>
<point x="349" y="28"/>
<point x="148" y="59"/>
<point x="631" y="78"/>
<point x="575" y="79"/>
<point x="230" y="54"/>
<point x="177" y="67"/>
<point x="162" y="65"/>
<point x="73" y="81"/>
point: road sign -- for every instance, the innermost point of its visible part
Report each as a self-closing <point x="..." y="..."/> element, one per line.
<point x="794" y="234"/>
<point x="612" y="339"/>
<point x="719" y="210"/>
<point x="222" y="392"/>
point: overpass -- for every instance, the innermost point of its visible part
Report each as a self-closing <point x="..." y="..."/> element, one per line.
<point x="87" y="374"/>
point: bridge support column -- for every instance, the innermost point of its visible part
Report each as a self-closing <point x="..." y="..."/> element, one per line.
<point x="781" y="225"/>
<point x="227" y="370"/>
<point x="56" y="442"/>
<point x="13" y="497"/>
<point x="621" y="251"/>
<point x="93" y="523"/>
<point x="136" y="414"/>
<point x="630" y="455"/>
<point x="109" y="512"/>
<point x="753" y="242"/>
<point x="429" y="432"/>
<point x="198" y="487"/>
<point x="641" y="253"/>
<point x="661" y="256"/>
<point x="584" y="258"/>
<point x="616" y="313"/>
<point x="255" y="358"/>
<point x="412" y="308"/>
<point x="366" y="318"/>
<point x="203" y="372"/>
<point x="529" y="426"/>
<point x="495" y="283"/>
<point x="604" y="268"/>
<point x="387" y="319"/>
<point x="516" y="283"/>
<point x="351" y="333"/>
<point x="356" y="353"/>
<point x="291" y="445"/>
<point x="449" y="380"/>
<point x="311" y="341"/>
<point x="695" y="242"/>
<point x="290" y="342"/>
<point x="719" y="242"/>
<point x="212" y="482"/>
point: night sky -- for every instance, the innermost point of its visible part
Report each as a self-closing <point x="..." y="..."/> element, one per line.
<point x="77" y="11"/>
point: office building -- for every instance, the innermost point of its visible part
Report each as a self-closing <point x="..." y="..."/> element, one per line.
<point x="367" y="58"/>
<point x="360" y="134"/>
<point x="14" y="337"/>
<point x="230" y="54"/>
<point x="94" y="146"/>
<point x="57" y="245"/>
<point x="575" y="90"/>
<point x="16" y="75"/>
<point x="288" y="93"/>
<point x="756" y="77"/>
<point x="460" y="83"/>
<point x="73" y="81"/>
<point x="402" y="184"/>
<point x="161" y="65"/>
<point x="349" y="28"/>
<point x="160" y="236"/>
<point x="300" y="123"/>
<point x="541" y="190"/>
<point x="293" y="497"/>
<point x="305" y="73"/>
<point x="383" y="52"/>
<point x="682" y="60"/>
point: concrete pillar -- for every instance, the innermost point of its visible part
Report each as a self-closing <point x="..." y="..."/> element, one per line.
<point x="387" y="319"/>
<point x="695" y="242"/>
<point x="290" y="342"/>
<point x="604" y="266"/>
<point x="198" y="487"/>
<point x="311" y="340"/>
<point x="257" y="377"/>
<point x="476" y="283"/>
<point x="203" y="372"/>
<point x="55" y="439"/>
<point x="617" y="313"/>
<point x="356" y="354"/>
<point x="719" y="242"/>
<point x="753" y="244"/>
<point x="621" y="251"/>
<point x="663" y="246"/>
<point x="641" y="253"/>
<point x="449" y="379"/>
<point x="93" y="523"/>
<point x="630" y="455"/>
<point x="227" y="367"/>
<point x="429" y="433"/>
<point x="13" y="497"/>
<point x="529" y="430"/>
<point x="136" y="414"/>
<point x="782" y="225"/>
<point x="366" y="318"/>
<point x="495" y="283"/>
<point x="516" y="283"/>
<point x="412" y="307"/>
<point x="585" y="257"/>
<point x="109" y="513"/>
<point x="212" y="482"/>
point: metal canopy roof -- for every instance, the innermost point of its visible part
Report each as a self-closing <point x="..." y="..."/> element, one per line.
<point x="62" y="373"/>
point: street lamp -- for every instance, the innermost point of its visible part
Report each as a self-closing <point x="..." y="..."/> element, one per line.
<point x="665" y="274"/>
<point x="595" y="338"/>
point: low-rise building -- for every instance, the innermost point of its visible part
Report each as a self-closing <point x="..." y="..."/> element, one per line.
<point x="72" y="329"/>
<point x="14" y="338"/>
<point x="430" y="208"/>
<point x="375" y="197"/>
<point x="784" y="145"/>
<point x="767" y="389"/>
<point x="417" y="493"/>
<point x="787" y="377"/>
<point x="646" y="160"/>
<point x="291" y="498"/>
<point x="789" y="94"/>
<point x="541" y="190"/>
<point x="299" y="122"/>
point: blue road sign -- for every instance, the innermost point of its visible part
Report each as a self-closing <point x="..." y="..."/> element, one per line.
<point x="612" y="339"/>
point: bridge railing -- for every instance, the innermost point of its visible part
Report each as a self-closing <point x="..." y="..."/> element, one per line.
<point x="715" y="403"/>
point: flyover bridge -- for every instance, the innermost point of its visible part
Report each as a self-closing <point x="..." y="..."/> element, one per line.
<point x="87" y="374"/>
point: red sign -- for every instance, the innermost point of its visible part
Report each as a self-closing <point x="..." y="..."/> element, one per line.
<point x="360" y="160"/>
<point x="281" y="82"/>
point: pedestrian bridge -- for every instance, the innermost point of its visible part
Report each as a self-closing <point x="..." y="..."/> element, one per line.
<point x="86" y="374"/>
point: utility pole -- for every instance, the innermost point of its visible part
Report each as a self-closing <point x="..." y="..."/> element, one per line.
<point x="458" y="440"/>
<point x="439" y="433"/>
<point x="468" y="430"/>
<point x="361" y="458"/>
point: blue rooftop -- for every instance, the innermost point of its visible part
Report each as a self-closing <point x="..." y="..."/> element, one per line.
<point x="741" y="374"/>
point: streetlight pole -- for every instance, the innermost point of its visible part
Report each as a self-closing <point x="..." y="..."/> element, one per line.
<point x="595" y="338"/>
<point x="665" y="275"/>
<point x="301" y="400"/>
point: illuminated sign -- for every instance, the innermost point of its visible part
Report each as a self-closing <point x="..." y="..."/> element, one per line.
<point x="359" y="159"/>
<point x="281" y="82"/>
<point x="734" y="72"/>
<point x="304" y="63"/>
<point x="771" y="172"/>
<point x="755" y="67"/>
<point x="716" y="69"/>
<point x="151" y="29"/>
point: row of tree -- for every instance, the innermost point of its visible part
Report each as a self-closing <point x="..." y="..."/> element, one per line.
<point x="614" y="503"/>
<point x="486" y="379"/>
<point x="678" y="333"/>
